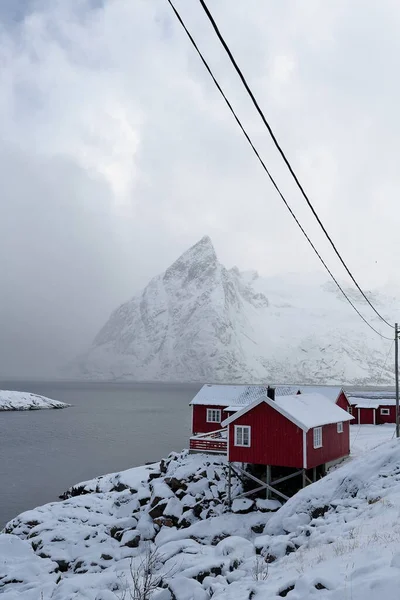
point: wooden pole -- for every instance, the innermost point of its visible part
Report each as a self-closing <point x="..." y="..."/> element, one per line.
<point x="314" y="474"/>
<point x="268" y="491"/>
<point x="304" y="483"/>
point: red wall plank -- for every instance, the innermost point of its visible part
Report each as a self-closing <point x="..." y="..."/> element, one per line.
<point x="334" y="445"/>
<point x="274" y="439"/>
<point x="390" y="418"/>
<point x="354" y="412"/>
<point x="366" y="416"/>
<point x="343" y="402"/>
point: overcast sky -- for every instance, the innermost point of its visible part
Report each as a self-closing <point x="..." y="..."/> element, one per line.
<point x="117" y="153"/>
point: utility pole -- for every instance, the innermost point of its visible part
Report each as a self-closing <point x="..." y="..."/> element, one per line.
<point x="396" y="368"/>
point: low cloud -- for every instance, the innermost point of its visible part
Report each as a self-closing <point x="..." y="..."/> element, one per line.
<point x="117" y="153"/>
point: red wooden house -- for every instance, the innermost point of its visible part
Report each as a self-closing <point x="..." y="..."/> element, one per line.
<point x="302" y="431"/>
<point x="287" y="434"/>
<point x="373" y="411"/>
<point x="214" y="403"/>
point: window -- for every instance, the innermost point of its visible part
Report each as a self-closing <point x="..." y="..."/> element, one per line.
<point x="350" y="410"/>
<point x="213" y="415"/>
<point x="385" y="411"/>
<point x="242" y="435"/>
<point x="340" y="427"/>
<point x="317" y="437"/>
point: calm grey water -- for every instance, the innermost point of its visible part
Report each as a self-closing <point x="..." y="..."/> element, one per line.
<point x="112" y="426"/>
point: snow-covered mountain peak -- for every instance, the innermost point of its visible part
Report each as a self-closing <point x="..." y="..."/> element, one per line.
<point x="200" y="321"/>
<point x="197" y="263"/>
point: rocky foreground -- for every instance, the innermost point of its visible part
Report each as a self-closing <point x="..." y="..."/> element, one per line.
<point x="12" y="400"/>
<point x="163" y="532"/>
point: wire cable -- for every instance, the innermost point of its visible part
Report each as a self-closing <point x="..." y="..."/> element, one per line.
<point x="267" y="171"/>
<point x="278" y="146"/>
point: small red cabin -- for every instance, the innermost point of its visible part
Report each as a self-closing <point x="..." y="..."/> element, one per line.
<point x="302" y="431"/>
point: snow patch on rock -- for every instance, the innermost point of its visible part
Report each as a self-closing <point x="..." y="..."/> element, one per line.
<point x="12" y="400"/>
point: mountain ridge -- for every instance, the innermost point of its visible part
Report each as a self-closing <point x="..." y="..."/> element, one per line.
<point x="199" y="321"/>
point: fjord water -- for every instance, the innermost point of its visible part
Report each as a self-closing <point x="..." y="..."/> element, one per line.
<point x="110" y="427"/>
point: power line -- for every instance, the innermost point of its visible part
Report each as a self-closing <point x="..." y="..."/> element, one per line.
<point x="267" y="125"/>
<point x="266" y="169"/>
<point x="371" y="398"/>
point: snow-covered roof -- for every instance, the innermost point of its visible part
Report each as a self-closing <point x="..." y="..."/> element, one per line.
<point x="366" y="404"/>
<point x="305" y="410"/>
<point x="332" y="392"/>
<point x="227" y="395"/>
<point x="243" y="395"/>
<point x="372" y="402"/>
<point x="251" y="393"/>
<point x="371" y="394"/>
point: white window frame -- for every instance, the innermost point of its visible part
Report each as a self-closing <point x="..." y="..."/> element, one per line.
<point x="339" y="427"/>
<point x="317" y="437"/>
<point x="239" y="432"/>
<point x="350" y="410"/>
<point x="213" y="415"/>
<point x="385" y="411"/>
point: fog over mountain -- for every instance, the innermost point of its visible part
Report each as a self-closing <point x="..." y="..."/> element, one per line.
<point x="117" y="153"/>
<point x="199" y="321"/>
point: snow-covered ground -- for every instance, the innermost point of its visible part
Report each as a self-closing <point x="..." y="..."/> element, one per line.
<point x="338" y="539"/>
<point x="11" y="400"/>
<point x="367" y="437"/>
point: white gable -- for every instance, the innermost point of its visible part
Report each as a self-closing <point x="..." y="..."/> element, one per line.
<point x="305" y="410"/>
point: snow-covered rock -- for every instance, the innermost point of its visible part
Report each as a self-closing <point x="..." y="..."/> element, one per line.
<point x="199" y="321"/>
<point x="11" y="400"/>
<point x="336" y="539"/>
<point x="242" y="506"/>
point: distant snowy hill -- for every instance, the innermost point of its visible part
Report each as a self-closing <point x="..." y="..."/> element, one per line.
<point x="199" y="321"/>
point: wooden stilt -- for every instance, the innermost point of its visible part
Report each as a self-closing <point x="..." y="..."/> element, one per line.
<point x="262" y="484"/>
<point x="229" y="486"/>
<point x="286" y="477"/>
<point x="314" y="474"/>
<point x="268" y="490"/>
<point x="304" y="483"/>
